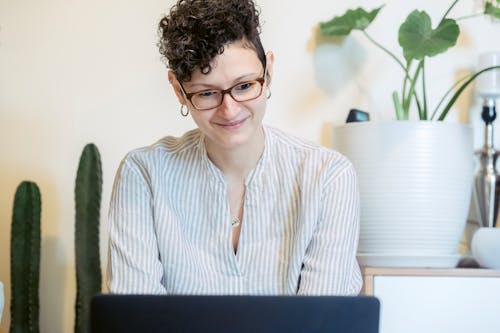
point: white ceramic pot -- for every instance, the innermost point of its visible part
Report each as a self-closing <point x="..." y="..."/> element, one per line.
<point x="485" y="247"/>
<point x="415" y="181"/>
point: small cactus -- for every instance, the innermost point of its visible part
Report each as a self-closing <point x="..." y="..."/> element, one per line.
<point x="88" y="189"/>
<point x="25" y="259"/>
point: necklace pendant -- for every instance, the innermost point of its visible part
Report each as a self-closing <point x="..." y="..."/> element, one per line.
<point x="235" y="222"/>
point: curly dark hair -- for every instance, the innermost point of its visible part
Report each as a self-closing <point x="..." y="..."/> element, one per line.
<point x="196" y="31"/>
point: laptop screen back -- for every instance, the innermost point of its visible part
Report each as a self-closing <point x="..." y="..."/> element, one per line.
<point x="234" y="314"/>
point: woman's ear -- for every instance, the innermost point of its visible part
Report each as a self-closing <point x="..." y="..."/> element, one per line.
<point x="177" y="87"/>
<point x="269" y="64"/>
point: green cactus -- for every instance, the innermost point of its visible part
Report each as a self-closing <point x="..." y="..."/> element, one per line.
<point x="88" y="190"/>
<point x="25" y="259"/>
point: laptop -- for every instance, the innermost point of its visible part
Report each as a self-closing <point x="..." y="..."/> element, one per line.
<point x="234" y="314"/>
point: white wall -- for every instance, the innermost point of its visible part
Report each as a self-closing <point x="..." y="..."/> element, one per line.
<point x="74" y="71"/>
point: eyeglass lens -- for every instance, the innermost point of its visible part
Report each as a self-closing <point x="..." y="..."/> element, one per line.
<point x="241" y="92"/>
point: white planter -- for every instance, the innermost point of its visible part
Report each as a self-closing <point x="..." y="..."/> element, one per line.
<point x="415" y="181"/>
<point x="485" y="247"/>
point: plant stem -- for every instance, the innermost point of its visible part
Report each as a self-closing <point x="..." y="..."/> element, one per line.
<point x="405" y="69"/>
<point x="419" y="107"/>
<point x="400" y="114"/>
<point x="469" y="16"/>
<point x="448" y="11"/>
<point x="461" y="89"/>
<point x="386" y="51"/>
<point x="424" y="113"/>
<point x="403" y="91"/>
<point x="447" y="93"/>
<point x="411" y="92"/>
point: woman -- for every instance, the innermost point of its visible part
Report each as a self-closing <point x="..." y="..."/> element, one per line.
<point x="232" y="207"/>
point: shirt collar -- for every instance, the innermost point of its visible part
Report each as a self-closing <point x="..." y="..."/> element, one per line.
<point x="254" y="176"/>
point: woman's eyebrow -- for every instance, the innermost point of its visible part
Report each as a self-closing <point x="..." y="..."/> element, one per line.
<point x="241" y="78"/>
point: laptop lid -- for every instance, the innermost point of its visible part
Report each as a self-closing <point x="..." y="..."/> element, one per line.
<point x="234" y="314"/>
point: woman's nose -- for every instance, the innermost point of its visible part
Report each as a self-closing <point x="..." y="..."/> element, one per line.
<point x="229" y="106"/>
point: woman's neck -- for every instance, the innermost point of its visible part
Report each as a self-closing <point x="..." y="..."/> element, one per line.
<point x="238" y="162"/>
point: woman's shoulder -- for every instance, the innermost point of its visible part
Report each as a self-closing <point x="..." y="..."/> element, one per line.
<point x="285" y="141"/>
<point x="306" y="153"/>
<point x="167" y="146"/>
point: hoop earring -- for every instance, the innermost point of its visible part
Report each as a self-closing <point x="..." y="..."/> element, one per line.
<point x="184" y="113"/>
<point x="268" y="95"/>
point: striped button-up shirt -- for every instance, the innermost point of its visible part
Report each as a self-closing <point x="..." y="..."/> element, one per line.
<point x="170" y="227"/>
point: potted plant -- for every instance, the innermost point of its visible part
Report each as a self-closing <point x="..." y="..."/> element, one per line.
<point x="415" y="176"/>
<point x="418" y="41"/>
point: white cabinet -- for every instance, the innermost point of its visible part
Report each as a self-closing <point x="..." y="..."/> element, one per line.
<point x="435" y="300"/>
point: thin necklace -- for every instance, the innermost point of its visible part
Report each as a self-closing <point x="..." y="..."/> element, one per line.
<point x="235" y="221"/>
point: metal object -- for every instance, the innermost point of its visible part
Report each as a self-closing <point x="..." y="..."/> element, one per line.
<point x="487" y="179"/>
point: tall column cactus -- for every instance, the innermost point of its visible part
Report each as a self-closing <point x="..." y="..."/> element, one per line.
<point x="88" y="190"/>
<point x="25" y="259"/>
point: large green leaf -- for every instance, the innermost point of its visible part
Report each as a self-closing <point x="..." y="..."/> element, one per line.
<point x="357" y="19"/>
<point x="419" y="40"/>
<point x="492" y="10"/>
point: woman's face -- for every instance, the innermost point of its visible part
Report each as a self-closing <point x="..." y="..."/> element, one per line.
<point x="232" y="124"/>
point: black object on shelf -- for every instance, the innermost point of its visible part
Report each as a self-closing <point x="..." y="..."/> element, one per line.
<point x="356" y="115"/>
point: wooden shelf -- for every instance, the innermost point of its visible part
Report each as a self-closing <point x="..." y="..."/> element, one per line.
<point x="430" y="271"/>
<point x="416" y="300"/>
<point x="370" y="272"/>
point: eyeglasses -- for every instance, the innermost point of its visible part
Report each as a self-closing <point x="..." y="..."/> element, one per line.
<point x="212" y="98"/>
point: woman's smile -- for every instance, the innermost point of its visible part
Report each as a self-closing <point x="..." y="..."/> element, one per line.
<point x="233" y="125"/>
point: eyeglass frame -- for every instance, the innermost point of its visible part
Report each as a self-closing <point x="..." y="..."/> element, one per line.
<point x="223" y="92"/>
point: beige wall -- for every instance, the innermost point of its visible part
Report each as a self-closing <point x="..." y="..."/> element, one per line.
<point x="76" y="71"/>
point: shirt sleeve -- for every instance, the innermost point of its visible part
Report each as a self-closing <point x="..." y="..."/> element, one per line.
<point x="330" y="266"/>
<point x="134" y="266"/>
